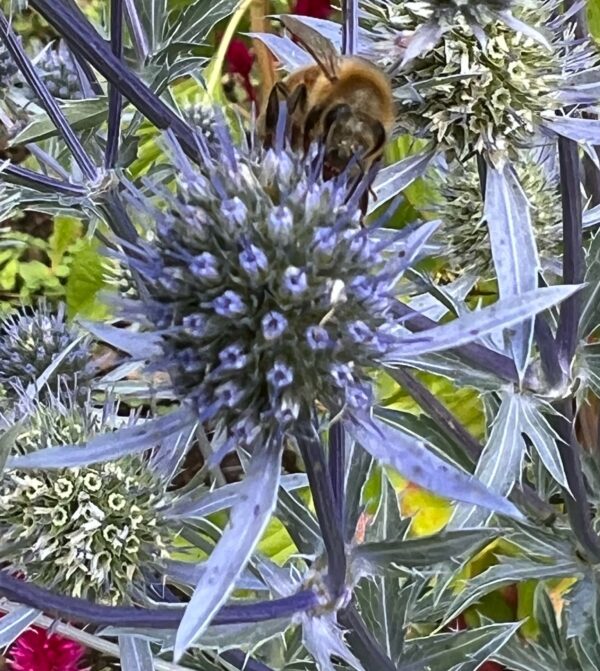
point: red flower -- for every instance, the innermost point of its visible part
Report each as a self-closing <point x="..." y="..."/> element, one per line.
<point x="239" y="61"/>
<point x="37" y="650"/>
<point x="319" y="9"/>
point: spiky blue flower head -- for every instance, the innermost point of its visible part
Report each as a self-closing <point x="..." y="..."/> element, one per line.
<point x="31" y="339"/>
<point x="269" y="295"/>
<point x="8" y="68"/>
<point x="59" y="71"/>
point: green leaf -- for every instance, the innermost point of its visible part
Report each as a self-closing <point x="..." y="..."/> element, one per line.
<point x="9" y="271"/>
<point x="197" y="20"/>
<point x="593" y="17"/>
<point x="37" y="275"/>
<point x="81" y="115"/>
<point x="530" y="657"/>
<point x="277" y="543"/>
<point x="66" y="232"/>
<point x="546" y="618"/>
<point x="388" y="523"/>
<point x="86" y="279"/>
<point x="383" y="602"/>
<point x="500" y="463"/>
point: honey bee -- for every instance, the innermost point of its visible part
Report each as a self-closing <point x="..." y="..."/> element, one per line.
<point x="344" y="102"/>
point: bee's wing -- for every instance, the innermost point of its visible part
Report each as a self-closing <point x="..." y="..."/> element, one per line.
<point x="319" y="47"/>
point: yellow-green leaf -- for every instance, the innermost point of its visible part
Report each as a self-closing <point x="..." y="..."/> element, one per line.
<point x="86" y="279"/>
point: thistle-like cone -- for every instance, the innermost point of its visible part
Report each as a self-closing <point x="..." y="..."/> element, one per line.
<point x="83" y="531"/>
<point x="267" y="293"/>
<point x="31" y="339"/>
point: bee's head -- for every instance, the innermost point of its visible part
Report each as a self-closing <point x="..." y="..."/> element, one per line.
<point x="349" y="134"/>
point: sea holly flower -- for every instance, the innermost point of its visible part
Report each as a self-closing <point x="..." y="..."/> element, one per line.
<point x="8" y="69"/>
<point x="91" y="531"/>
<point x="58" y="69"/>
<point x="465" y="232"/>
<point x="270" y="307"/>
<point x="482" y="97"/>
<point x="202" y="117"/>
<point x="33" y="340"/>
<point x="486" y="87"/>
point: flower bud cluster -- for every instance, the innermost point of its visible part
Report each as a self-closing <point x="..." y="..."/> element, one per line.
<point x="269" y="295"/>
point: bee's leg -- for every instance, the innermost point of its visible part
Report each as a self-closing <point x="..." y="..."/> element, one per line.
<point x="363" y="205"/>
<point x="297" y="99"/>
<point x="312" y="121"/>
<point x="297" y="109"/>
<point x="278" y="92"/>
<point x="379" y="139"/>
<point x="341" y="112"/>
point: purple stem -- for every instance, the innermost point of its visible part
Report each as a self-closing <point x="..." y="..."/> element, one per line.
<point x="90" y="44"/>
<point x="350" y="28"/>
<point x="573" y="255"/>
<point x="363" y="643"/>
<point x="85" y="612"/>
<point x="325" y="504"/>
<point x="114" y="97"/>
<point x="576" y="502"/>
<point x="240" y="660"/>
<point x="337" y="467"/>
<point x="48" y="102"/>
<point x="452" y="427"/>
<point x="16" y="174"/>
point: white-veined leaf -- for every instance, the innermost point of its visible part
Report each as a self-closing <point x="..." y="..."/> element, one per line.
<point x="423" y="40"/>
<point x="410" y="457"/>
<point x="512" y="240"/>
<point x="137" y="345"/>
<point x="247" y="521"/>
<point x="503" y="314"/>
<point x="590" y="316"/>
<point x="290" y="55"/>
<point x="195" y="505"/>
<point x="543" y="438"/>
<point x="501" y="575"/>
<point x="524" y="28"/>
<point x="580" y="130"/>
<point x="441" y="652"/>
<point x="198" y="18"/>
<point x="106" y="447"/>
<point x="394" y="178"/>
<point x="500" y="464"/>
<point x="136" y="654"/>
<point x="13" y="624"/>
